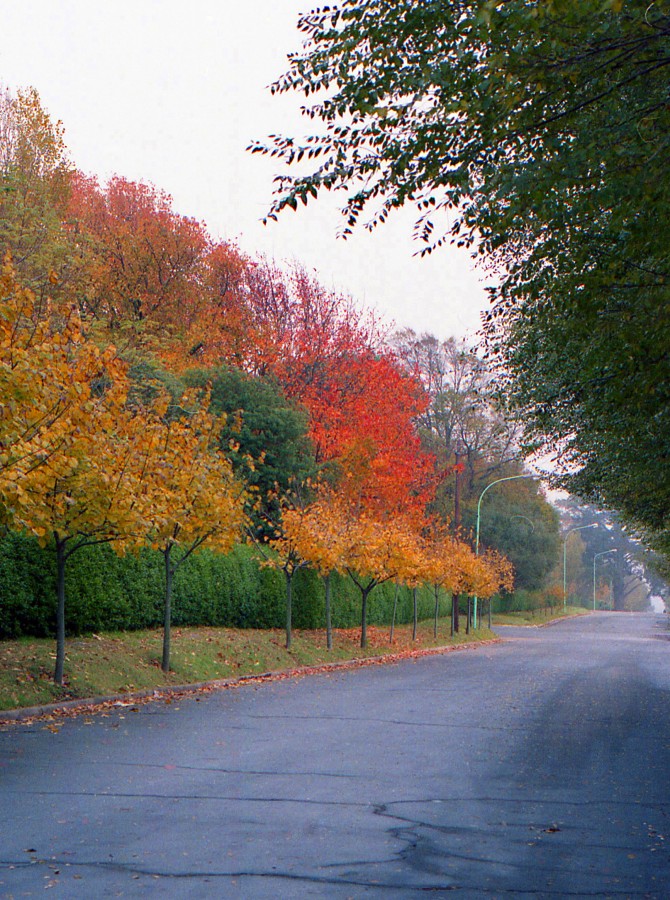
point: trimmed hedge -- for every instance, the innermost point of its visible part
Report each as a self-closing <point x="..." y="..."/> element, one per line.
<point x="524" y="601"/>
<point x="106" y="592"/>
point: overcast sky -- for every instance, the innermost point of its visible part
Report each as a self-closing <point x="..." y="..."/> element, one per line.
<point x="173" y="92"/>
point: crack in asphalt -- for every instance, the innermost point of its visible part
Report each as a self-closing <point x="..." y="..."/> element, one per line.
<point x="238" y="873"/>
<point x="417" y="851"/>
<point x="656" y="806"/>
<point x="420" y="849"/>
<point x="369" y="719"/>
<point x="167" y="767"/>
<point x="473" y="831"/>
<point x="401" y="885"/>
<point x="212" y="797"/>
<point x="660" y="806"/>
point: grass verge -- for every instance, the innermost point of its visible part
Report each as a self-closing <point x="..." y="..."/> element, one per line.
<point x="537" y="616"/>
<point x="101" y="665"/>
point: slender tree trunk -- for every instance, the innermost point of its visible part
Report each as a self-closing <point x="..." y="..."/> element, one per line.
<point x="467" y="626"/>
<point x="60" y="611"/>
<point x="437" y="609"/>
<point x="289" y="599"/>
<point x="414" y="613"/>
<point x="167" y="611"/>
<point x="395" y="607"/>
<point x="364" y="616"/>
<point x="452" y="614"/>
<point x="329" y="628"/>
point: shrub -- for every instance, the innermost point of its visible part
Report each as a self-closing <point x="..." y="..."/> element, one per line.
<point x="109" y="592"/>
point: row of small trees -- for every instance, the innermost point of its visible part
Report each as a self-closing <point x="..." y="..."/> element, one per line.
<point x="84" y="461"/>
<point x="334" y="533"/>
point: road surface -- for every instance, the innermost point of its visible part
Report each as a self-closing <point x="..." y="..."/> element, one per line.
<point x="538" y="766"/>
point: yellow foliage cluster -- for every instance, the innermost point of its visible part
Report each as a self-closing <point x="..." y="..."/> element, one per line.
<point x="77" y="462"/>
<point x="187" y="490"/>
<point x="333" y="535"/>
<point x="51" y="419"/>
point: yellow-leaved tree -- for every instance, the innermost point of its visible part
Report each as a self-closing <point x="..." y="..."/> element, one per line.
<point x="34" y="186"/>
<point x="449" y="563"/>
<point x="49" y="373"/>
<point x="188" y="494"/>
<point x="65" y="443"/>
<point x="412" y="568"/>
<point x="289" y="532"/>
<point x="374" y="551"/>
<point x="317" y="534"/>
<point x="492" y="572"/>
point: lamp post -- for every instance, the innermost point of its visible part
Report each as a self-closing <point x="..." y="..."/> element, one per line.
<point x="479" y="509"/>
<point x="565" y="559"/>
<point x="455" y="598"/>
<point x="604" y="553"/>
<point x="519" y="516"/>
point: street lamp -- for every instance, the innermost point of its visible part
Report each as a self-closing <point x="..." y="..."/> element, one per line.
<point x="479" y="509"/>
<point x="565" y="559"/>
<point x="519" y="516"/>
<point x="604" y="553"/>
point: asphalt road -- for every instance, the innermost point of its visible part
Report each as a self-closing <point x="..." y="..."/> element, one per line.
<point x="538" y="766"/>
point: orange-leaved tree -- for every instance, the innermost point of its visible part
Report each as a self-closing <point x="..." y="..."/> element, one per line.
<point x="318" y="535"/>
<point x="412" y="569"/>
<point x="374" y="551"/>
<point x="491" y="573"/>
<point x="331" y="358"/>
<point x="449" y="564"/>
<point x="142" y="262"/>
<point x="288" y="532"/>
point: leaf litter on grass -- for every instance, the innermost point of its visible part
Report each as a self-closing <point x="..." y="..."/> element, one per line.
<point x="213" y="659"/>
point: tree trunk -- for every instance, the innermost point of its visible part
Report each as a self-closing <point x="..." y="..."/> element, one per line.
<point x="414" y="614"/>
<point x="289" y="598"/>
<point x="60" y="612"/>
<point x="364" y="616"/>
<point x="455" y="603"/>
<point x="329" y="629"/>
<point x="452" y="614"/>
<point x="467" y="626"/>
<point x="395" y="607"/>
<point x="437" y="609"/>
<point x="167" y="612"/>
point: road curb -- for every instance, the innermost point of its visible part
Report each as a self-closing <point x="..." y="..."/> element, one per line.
<point x="542" y="624"/>
<point x="48" y="710"/>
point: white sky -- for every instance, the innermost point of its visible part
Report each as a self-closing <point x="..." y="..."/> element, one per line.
<point x="172" y="92"/>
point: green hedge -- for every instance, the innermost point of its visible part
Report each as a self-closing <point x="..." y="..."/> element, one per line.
<point x="524" y="601"/>
<point x="106" y="592"/>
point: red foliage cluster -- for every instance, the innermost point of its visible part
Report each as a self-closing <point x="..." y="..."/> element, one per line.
<point x="158" y="275"/>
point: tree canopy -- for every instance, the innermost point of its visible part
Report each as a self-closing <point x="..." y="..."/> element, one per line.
<point x="293" y="388"/>
<point x="267" y="431"/>
<point x="536" y="133"/>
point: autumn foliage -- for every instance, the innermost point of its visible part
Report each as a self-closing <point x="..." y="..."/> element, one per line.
<point x="85" y="457"/>
<point x="50" y="375"/>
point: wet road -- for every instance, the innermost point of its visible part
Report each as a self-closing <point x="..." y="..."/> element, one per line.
<point x="538" y="766"/>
